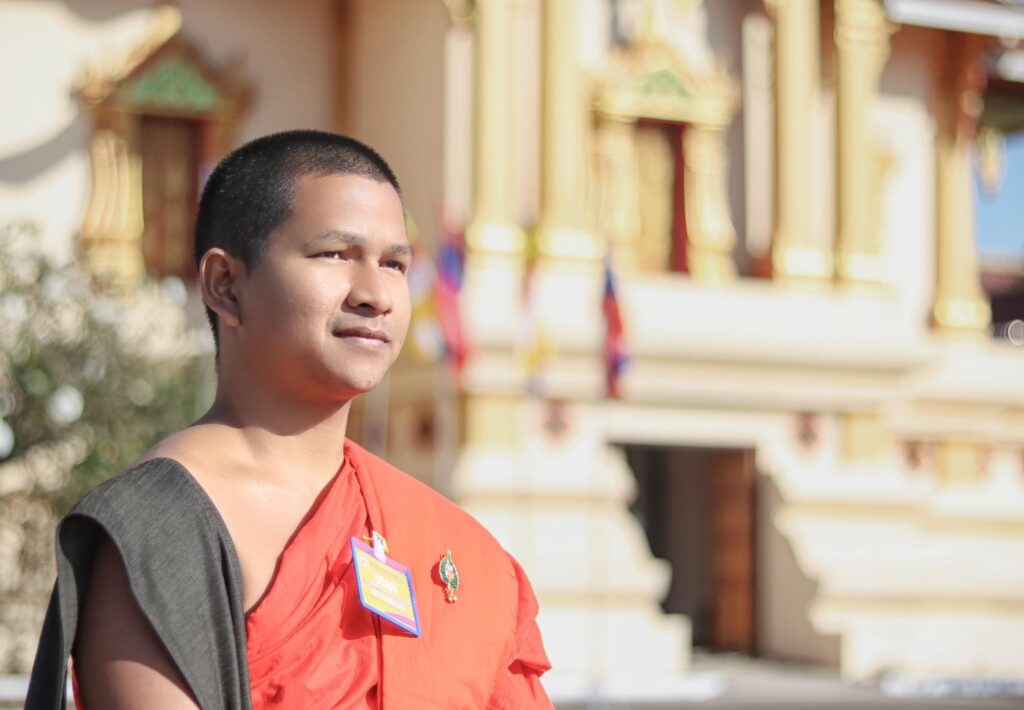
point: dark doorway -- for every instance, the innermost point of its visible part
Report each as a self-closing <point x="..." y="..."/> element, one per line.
<point x="170" y="150"/>
<point x="697" y="506"/>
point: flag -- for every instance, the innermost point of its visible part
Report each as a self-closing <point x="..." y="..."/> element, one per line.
<point x="614" y="340"/>
<point x="451" y="257"/>
<point x="425" y="329"/>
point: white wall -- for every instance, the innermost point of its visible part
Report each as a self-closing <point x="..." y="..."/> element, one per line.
<point x="785" y="591"/>
<point x="284" y="50"/>
<point x="904" y="124"/>
<point x="395" y="94"/>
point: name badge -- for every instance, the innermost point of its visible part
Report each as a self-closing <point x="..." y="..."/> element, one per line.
<point x="385" y="587"/>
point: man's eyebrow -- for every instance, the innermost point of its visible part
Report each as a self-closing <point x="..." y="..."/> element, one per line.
<point x="334" y="237"/>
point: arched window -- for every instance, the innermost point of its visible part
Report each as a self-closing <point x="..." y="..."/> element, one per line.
<point x="161" y="122"/>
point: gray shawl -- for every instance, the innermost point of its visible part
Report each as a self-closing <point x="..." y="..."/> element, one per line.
<point x="182" y="569"/>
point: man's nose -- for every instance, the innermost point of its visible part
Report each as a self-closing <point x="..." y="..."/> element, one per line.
<point x="369" y="291"/>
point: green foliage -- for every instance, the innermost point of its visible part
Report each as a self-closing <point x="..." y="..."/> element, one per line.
<point x="88" y="379"/>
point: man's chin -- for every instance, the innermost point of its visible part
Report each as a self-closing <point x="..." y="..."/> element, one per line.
<point x="353" y="386"/>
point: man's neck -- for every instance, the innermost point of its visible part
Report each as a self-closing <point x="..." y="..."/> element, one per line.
<point x="278" y="437"/>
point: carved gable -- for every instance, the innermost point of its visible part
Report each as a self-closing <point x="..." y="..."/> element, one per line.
<point x="162" y="118"/>
<point x="647" y="80"/>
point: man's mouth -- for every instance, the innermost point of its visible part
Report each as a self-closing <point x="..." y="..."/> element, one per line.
<point x="363" y="336"/>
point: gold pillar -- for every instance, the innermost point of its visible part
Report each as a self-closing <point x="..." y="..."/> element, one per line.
<point x="712" y="236"/>
<point x="561" y="230"/>
<point x="616" y="199"/>
<point x="798" y="255"/>
<point x="960" y="305"/>
<point x="656" y="163"/>
<point x="493" y="225"/>
<point x="110" y="241"/>
<point x="862" y="48"/>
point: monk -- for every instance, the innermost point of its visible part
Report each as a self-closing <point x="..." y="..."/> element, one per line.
<point x="258" y="558"/>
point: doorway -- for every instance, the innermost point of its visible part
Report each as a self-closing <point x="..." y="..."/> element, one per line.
<point x="697" y="506"/>
<point x="171" y="153"/>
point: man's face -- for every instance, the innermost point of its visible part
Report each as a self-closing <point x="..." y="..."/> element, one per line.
<point x="326" y="310"/>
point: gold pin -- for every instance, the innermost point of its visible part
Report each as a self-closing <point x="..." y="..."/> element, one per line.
<point x="449" y="575"/>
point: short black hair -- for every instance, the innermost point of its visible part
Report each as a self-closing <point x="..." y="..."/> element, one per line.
<point x="250" y="193"/>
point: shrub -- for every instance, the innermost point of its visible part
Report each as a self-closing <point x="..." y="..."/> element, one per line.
<point x="89" y="379"/>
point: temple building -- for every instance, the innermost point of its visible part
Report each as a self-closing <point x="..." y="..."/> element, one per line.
<point x="817" y="448"/>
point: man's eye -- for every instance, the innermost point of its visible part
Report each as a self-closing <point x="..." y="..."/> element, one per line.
<point x="399" y="266"/>
<point x="330" y="255"/>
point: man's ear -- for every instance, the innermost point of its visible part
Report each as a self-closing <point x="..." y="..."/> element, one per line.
<point x="219" y="274"/>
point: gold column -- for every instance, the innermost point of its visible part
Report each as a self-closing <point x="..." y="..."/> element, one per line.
<point x="798" y="256"/>
<point x="493" y="226"/>
<point x="560" y="231"/>
<point x="110" y="241"/>
<point x="960" y="305"/>
<point x="712" y="236"/>
<point x="616" y="202"/>
<point x="862" y="48"/>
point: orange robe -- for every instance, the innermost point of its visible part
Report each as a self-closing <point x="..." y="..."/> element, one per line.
<point x="311" y="643"/>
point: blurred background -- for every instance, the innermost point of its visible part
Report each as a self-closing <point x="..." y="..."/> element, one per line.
<point x="719" y="309"/>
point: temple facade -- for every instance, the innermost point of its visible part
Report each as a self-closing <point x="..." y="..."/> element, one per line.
<point x="817" y="451"/>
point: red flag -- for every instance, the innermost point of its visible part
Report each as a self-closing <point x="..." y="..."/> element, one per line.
<point x="615" y="358"/>
<point x="450" y="264"/>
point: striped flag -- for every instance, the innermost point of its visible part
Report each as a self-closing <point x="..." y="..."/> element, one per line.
<point x="451" y="257"/>
<point x="425" y="329"/>
<point x="615" y="358"/>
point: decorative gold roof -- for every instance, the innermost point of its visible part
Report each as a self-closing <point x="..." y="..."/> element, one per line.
<point x="648" y="80"/>
<point x="164" y="74"/>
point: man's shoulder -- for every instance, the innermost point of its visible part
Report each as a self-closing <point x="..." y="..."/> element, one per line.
<point x="154" y="497"/>
<point x="148" y="481"/>
<point x="177" y="561"/>
<point x="163" y="527"/>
